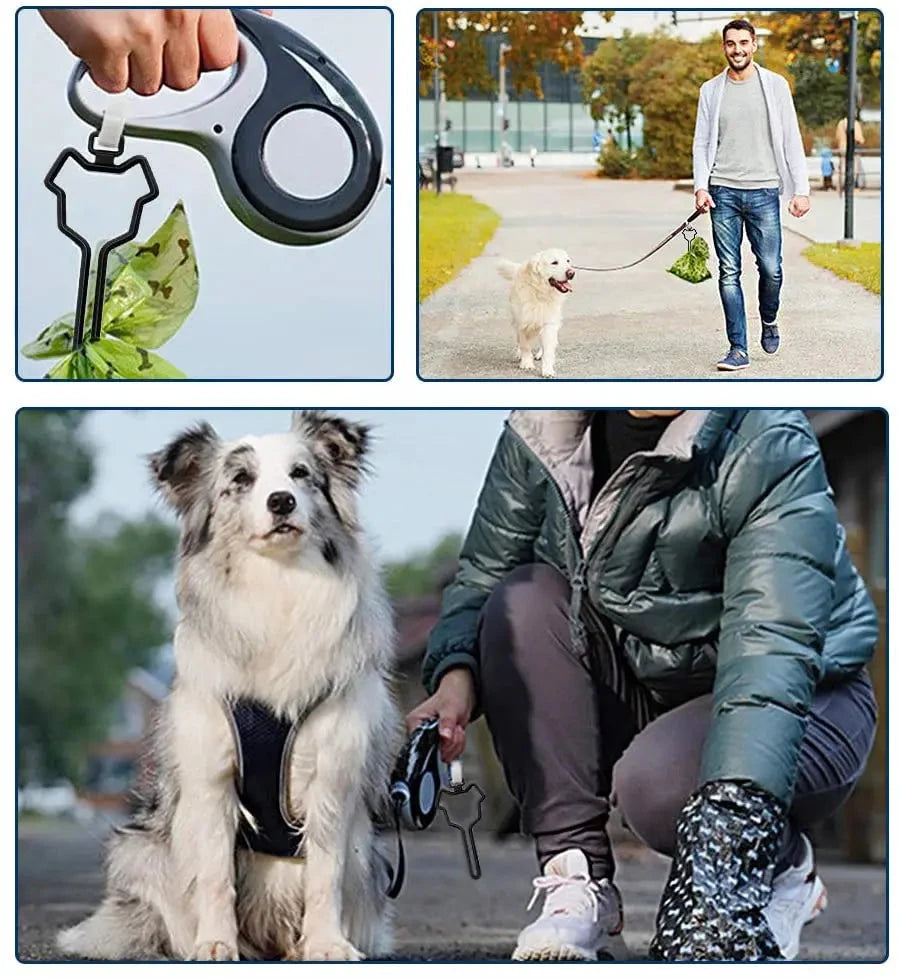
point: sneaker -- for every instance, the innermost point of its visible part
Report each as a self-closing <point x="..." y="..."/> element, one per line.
<point x="735" y="359"/>
<point x="580" y="915"/>
<point x="798" y="896"/>
<point x="770" y="338"/>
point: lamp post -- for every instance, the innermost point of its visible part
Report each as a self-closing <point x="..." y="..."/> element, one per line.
<point x="437" y="106"/>
<point x="850" y="155"/>
<point x="501" y="109"/>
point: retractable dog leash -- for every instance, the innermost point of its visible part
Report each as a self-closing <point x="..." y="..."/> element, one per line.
<point x="682" y="228"/>
<point x="278" y="71"/>
<point x="417" y="791"/>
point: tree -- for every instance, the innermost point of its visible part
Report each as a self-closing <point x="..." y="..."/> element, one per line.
<point x="421" y="573"/>
<point x="666" y="85"/>
<point x="606" y="78"/>
<point x="535" y="37"/>
<point x="824" y="35"/>
<point x="820" y="96"/>
<point x="86" y="612"/>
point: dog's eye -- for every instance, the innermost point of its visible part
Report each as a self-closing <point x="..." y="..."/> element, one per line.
<point x="556" y="262"/>
<point x="242" y="478"/>
<point x="299" y="472"/>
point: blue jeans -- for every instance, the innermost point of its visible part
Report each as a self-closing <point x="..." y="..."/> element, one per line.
<point x="758" y="210"/>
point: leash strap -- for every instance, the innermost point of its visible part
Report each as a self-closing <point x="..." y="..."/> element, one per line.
<point x="665" y="241"/>
<point x="399" y="874"/>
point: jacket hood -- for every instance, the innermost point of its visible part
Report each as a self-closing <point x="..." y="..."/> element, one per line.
<point x="561" y="441"/>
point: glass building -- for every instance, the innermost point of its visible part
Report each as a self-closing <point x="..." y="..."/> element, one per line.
<point x="560" y="122"/>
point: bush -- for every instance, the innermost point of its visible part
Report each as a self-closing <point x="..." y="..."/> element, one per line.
<point x="614" y="161"/>
<point x="666" y="86"/>
<point x="645" y="164"/>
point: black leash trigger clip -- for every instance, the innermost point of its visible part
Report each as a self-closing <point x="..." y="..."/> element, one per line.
<point x="105" y="146"/>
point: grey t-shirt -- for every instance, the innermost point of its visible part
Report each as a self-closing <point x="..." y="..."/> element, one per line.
<point x="745" y="157"/>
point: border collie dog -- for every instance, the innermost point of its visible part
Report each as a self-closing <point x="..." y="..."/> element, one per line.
<point x="254" y="834"/>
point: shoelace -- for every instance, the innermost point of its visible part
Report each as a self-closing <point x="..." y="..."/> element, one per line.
<point x="579" y="887"/>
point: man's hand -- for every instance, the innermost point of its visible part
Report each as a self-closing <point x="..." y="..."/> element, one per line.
<point x="798" y="206"/>
<point x="452" y="704"/>
<point x="144" y="49"/>
<point x="703" y="201"/>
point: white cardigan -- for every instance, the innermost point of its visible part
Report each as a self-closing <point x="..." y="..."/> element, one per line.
<point x="790" y="157"/>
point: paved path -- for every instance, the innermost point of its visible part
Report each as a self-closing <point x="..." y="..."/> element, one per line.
<point x="643" y="322"/>
<point x="825" y="220"/>
<point x="442" y="914"/>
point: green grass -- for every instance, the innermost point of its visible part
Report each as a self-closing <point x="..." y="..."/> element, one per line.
<point x="859" y="263"/>
<point x="453" y="229"/>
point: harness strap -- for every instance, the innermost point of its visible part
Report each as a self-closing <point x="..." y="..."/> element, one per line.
<point x="617" y="268"/>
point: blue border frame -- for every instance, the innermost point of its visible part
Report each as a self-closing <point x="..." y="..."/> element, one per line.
<point x="885" y="717"/>
<point x="390" y="146"/>
<point x="645" y="380"/>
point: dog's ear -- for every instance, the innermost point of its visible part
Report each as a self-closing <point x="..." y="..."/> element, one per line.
<point x="179" y="469"/>
<point x="341" y="447"/>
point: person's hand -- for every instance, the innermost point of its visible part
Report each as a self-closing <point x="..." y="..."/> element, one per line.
<point x="703" y="200"/>
<point x="144" y="48"/>
<point x="798" y="206"/>
<point x="452" y="704"/>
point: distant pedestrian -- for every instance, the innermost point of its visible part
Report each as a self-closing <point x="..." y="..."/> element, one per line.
<point x="840" y="135"/>
<point x="533" y="155"/>
<point x="827" y="164"/>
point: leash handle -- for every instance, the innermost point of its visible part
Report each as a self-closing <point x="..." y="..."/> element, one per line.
<point x="278" y="71"/>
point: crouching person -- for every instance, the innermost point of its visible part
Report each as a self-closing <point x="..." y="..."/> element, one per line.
<point x="657" y="610"/>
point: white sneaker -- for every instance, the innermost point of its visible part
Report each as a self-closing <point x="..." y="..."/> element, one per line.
<point x="580" y="915"/>
<point x="798" y="896"/>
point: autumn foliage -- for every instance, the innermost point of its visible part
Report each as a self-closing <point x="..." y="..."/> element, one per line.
<point x="534" y="37"/>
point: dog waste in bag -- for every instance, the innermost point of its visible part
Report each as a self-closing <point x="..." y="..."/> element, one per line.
<point x="692" y="265"/>
<point x="151" y="288"/>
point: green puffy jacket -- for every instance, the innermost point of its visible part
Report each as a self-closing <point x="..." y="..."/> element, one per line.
<point x="717" y="556"/>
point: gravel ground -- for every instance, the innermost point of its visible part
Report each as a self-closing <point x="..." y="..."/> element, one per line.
<point x="642" y="322"/>
<point x="442" y="915"/>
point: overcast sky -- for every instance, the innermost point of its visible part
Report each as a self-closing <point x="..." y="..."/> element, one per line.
<point x="428" y="466"/>
<point x="693" y="25"/>
<point x="265" y="310"/>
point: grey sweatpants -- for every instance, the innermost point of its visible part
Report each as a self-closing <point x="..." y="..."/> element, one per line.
<point x="577" y="735"/>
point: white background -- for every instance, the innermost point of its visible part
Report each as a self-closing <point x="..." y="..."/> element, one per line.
<point x="406" y="390"/>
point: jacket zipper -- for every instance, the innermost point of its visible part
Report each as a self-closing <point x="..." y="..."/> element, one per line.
<point x="579" y="575"/>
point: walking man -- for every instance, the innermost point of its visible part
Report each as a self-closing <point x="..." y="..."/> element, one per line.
<point x="748" y="153"/>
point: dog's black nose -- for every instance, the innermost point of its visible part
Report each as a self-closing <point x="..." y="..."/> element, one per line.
<point x="281" y="503"/>
<point x="570" y="273"/>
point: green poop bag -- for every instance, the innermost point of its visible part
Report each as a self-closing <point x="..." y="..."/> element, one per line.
<point x="151" y="288"/>
<point x="691" y="266"/>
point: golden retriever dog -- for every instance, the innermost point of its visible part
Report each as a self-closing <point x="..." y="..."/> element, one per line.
<point x="539" y="287"/>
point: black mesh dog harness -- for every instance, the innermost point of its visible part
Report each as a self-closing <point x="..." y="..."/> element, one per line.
<point x="263" y="742"/>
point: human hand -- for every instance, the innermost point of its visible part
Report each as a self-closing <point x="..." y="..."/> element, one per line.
<point x="144" y="48"/>
<point x="798" y="206"/>
<point x="703" y="200"/>
<point x="452" y="703"/>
